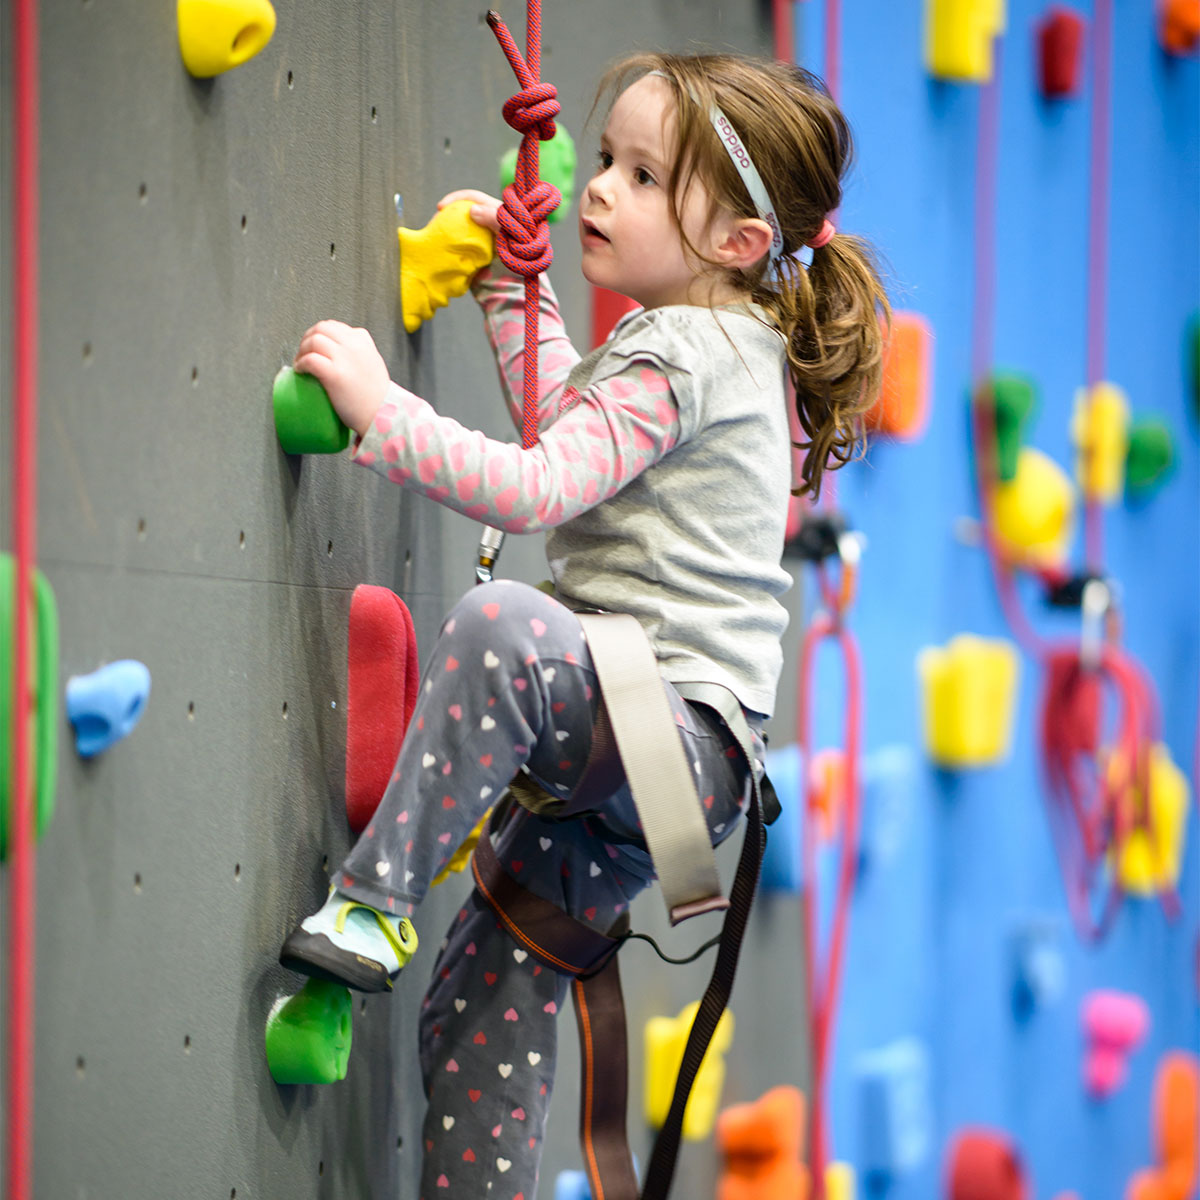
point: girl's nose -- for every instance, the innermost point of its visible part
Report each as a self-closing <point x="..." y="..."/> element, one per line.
<point x="599" y="188"/>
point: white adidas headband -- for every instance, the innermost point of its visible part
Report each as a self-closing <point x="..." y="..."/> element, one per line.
<point x="740" y="157"/>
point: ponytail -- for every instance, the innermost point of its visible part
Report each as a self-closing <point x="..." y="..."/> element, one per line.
<point x="830" y="316"/>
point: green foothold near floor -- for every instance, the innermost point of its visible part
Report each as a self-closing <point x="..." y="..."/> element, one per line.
<point x="305" y="420"/>
<point x="1151" y="452"/>
<point x="43" y="690"/>
<point x="556" y="165"/>
<point x="308" y="1034"/>
<point x="1013" y="399"/>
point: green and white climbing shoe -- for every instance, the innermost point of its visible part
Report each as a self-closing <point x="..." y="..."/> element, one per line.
<point x="350" y="943"/>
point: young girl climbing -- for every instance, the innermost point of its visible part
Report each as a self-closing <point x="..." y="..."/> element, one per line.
<point x="662" y="477"/>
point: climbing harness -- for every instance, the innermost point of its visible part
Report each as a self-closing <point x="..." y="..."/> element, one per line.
<point x="635" y="738"/>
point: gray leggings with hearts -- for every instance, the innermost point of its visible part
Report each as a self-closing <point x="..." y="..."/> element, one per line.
<point x="510" y="682"/>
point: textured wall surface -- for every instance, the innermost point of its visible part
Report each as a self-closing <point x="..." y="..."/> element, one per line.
<point x="190" y="231"/>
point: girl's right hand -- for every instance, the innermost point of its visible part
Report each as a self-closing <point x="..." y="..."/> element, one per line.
<point x="483" y="207"/>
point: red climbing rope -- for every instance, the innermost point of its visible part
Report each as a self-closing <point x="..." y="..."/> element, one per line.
<point x="1097" y="270"/>
<point x="22" y="877"/>
<point x="1094" y="800"/>
<point x="524" y="242"/>
<point x="823" y="982"/>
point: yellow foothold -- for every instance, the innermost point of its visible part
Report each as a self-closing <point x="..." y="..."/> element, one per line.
<point x="839" y="1181"/>
<point x="1100" y="429"/>
<point x="665" y="1039"/>
<point x="1034" y="512"/>
<point x="437" y="262"/>
<point x="1149" y="859"/>
<point x="217" y="35"/>
<point x="970" y="688"/>
<point x="461" y="856"/>
<point x="959" y="36"/>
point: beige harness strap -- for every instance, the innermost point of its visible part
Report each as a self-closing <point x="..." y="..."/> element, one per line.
<point x="656" y="767"/>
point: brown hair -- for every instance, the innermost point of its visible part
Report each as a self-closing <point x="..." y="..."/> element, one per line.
<point x="800" y="142"/>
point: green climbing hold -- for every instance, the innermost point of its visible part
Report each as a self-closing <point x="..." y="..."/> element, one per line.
<point x="1151" y="452"/>
<point x="308" y="1034"/>
<point x="556" y="165"/>
<point x="43" y="686"/>
<point x="305" y="420"/>
<point x="1013" y="398"/>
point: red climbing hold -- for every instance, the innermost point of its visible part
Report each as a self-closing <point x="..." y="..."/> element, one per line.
<point x="381" y="695"/>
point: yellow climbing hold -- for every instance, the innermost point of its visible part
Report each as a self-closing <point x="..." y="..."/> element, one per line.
<point x="217" y="35"/>
<point x="1034" y="512"/>
<point x="1150" y="857"/>
<point x="461" y="856"/>
<point x="1100" y="430"/>
<point x="959" y="36"/>
<point x="437" y="262"/>
<point x="970" y="688"/>
<point x="840" y="1181"/>
<point x="665" y="1039"/>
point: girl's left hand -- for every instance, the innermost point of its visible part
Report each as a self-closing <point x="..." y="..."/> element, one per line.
<point x="349" y="367"/>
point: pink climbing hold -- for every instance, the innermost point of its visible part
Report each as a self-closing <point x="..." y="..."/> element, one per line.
<point x="1114" y="1024"/>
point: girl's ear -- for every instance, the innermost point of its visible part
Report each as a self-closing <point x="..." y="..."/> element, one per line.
<point x="742" y="242"/>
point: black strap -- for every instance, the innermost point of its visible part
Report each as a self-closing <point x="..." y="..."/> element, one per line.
<point x="716" y="997"/>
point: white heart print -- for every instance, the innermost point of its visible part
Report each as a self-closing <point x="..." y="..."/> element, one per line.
<point x="505" y="1070"/>
<point x="427" y="760"/>
<point x="490" y="660"/>
<point x="382" y="868"/>
<point x="487" y="723"/>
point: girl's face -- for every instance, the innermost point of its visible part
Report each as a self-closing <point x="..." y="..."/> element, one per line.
<point x="630" y="242"/>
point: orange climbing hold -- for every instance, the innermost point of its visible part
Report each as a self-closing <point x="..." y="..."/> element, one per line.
<point x="761" y="1143"/>
<point x="902" y="410"/>
<point x="1176" y="1118"/>
<point x="1179" y="25"/>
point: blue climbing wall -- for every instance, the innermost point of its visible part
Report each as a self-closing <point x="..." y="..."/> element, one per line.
<point x="959" y="864"/>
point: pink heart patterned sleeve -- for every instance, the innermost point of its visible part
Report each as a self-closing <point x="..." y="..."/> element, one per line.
<point x="598" y="442"/>
<point x="501" y="298"/>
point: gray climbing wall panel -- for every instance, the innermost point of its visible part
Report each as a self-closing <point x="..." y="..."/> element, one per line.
<point x="190" y="231"/>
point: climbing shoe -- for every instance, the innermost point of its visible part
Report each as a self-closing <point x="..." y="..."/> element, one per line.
<point x="350" y="943"/>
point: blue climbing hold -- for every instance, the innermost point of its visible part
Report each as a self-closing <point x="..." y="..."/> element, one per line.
<point x="781" y="867"/>
<point x="105" y="706"/>
<point x="572" y="1185"/>
<point x="895" y="1109"/>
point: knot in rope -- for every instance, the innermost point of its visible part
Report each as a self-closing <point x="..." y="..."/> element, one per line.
<point x="534" y="107"/>
<point x="524" y="242"/>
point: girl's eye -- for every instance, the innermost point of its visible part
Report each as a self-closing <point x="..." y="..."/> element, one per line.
<point x="643" y="176"/>
<point x="603" y="159"/>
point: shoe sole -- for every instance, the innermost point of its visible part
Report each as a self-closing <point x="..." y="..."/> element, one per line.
<point x="313" y="954"/>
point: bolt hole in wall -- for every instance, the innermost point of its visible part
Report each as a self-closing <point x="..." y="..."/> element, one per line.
<point x="143" y="193"/>
<point x="290" y="80"/>
<point x="187" y="1043"/>
<point x="141" y="529"/>
<point x="80" y="1066"/>
<point x="332" y="250"/>
<point x="191" y="710"/>
<point x="87" y="354"/>
<point x="329" y="549"/>
<point x="242" y="540"/>
<point x="374" y="115"/>
<point x="446" y="146"/>
<point x="195" y="376"/>
<point x="285" y="710"/>
<point x="237" y="871"/>
<point x="137" y="883"/>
